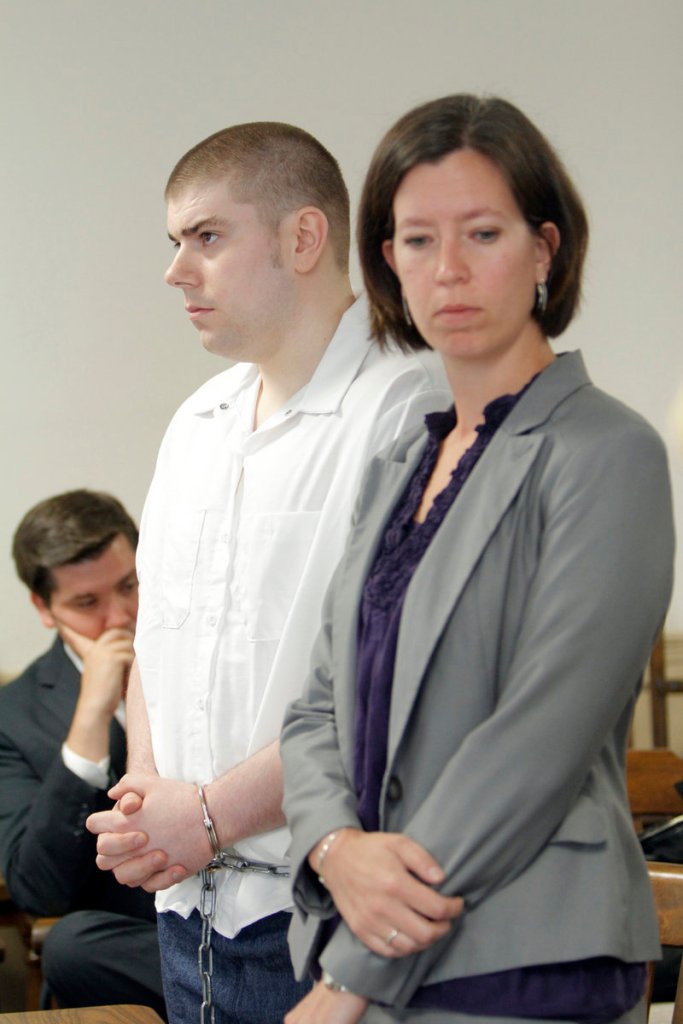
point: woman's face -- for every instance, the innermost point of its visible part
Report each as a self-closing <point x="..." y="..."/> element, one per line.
<point x="466" y="259"/>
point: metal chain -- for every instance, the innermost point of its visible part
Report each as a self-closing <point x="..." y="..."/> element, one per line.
<point x="233" y="860"/>
<point x="207" y="911"/>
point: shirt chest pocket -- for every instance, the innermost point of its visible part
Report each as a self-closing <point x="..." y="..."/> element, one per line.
<point x="179" y="564"/>
<point x="272" y="554"/>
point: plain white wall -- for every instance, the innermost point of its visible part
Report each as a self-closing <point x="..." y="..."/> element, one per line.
<point x="98" y="100"/>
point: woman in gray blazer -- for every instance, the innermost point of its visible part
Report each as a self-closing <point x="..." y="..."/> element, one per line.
<point x="462" y="844"/>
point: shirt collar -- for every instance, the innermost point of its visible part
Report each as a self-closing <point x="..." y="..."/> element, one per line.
<point x="339" y="366"/>
<point x="72" y="656"/>
<point x="326" y="389"/>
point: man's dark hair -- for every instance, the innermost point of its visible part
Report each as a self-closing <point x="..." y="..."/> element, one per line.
<point x="68" y="528"/>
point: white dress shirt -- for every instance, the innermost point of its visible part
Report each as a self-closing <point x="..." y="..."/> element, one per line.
<point x="240" y="534"/>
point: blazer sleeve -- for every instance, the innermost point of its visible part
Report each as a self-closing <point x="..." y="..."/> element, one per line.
<point x="315" y="775"/>
<point x="46" y="853"/>
<point x="598" y="596"/>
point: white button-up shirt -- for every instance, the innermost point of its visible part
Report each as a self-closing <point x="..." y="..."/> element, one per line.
<point x="241" y="532"/>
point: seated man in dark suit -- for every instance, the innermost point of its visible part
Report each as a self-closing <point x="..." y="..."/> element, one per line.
<point x="62" y="743"/>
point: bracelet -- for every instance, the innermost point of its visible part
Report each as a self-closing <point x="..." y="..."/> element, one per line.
<point x="208" y="823"/>
<point x="322" y="853"/>
<point x="329" y="982"/>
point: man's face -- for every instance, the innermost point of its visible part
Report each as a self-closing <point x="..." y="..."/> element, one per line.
<point x="229" y="266"/>
<point x="93" y="596"/>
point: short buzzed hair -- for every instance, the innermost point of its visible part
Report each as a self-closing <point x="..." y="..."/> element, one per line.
<point x="72" y="527"/>
<point x="276" y="167"/>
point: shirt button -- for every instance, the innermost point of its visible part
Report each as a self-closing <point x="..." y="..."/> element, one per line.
<point x="211" y="620"/>
<point x="200" y="704"/>
<point x="224" y="405"/>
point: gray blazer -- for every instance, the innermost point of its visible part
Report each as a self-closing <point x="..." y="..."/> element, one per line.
<point x="524" y="634"/>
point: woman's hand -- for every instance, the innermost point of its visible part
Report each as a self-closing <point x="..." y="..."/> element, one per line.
<point x="323" y="1006"/>
<point x="381" y="884"/>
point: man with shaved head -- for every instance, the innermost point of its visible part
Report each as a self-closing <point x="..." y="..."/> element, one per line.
<point x="244" y="523"/>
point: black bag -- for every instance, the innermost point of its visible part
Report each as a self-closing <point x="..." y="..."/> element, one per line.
<point x="664" y="842"/>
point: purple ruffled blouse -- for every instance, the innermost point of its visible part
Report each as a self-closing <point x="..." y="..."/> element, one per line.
<point x="594" y="991"/>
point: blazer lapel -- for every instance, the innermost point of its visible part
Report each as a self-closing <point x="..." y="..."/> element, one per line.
<point x="467" y="528"/>
<point x="443" y="573"/>
<point x="58" y="687"/>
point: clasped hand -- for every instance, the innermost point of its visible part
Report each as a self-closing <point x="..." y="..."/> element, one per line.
<point x="382" y="884"/>
<point x="154" y="837"/>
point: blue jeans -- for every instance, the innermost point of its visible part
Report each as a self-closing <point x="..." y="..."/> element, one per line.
<point x="253" y="980"/>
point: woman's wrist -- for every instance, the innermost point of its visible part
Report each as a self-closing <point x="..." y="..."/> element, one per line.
<point x="329" y="983"/>
<point x="318" y="855"/>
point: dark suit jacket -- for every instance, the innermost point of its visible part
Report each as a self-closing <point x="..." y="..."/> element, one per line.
<point x="46" y="854"/>
<point x="523" y="637"/>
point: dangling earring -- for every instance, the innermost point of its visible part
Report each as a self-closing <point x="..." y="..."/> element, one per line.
<point x="406" y="311"/>
<point x="541" y="297"/>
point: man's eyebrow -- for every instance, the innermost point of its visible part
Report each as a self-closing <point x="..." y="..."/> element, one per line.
<point x="200" y="225"/>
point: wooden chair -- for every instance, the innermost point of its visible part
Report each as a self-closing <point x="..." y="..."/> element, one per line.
<point x="666" y="649"/>
<point x="34" y="932"/>
<point x="651" y="776"/>
<point x="667" y="886"/>
<point x="4" y="896"/>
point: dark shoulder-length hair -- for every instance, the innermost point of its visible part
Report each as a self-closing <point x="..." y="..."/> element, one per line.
<point x="534" y="172"/>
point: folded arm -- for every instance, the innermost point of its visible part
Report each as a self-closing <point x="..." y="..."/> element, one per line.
<point x="47" y="856"/>
<point x="46" y="853"/>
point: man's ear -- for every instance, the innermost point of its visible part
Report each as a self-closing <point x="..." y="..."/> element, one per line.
<point x="310" y="233"/>
<point x="44" y="611"/>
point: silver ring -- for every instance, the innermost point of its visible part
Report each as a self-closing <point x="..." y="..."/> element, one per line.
<point x="391" y="936"/>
